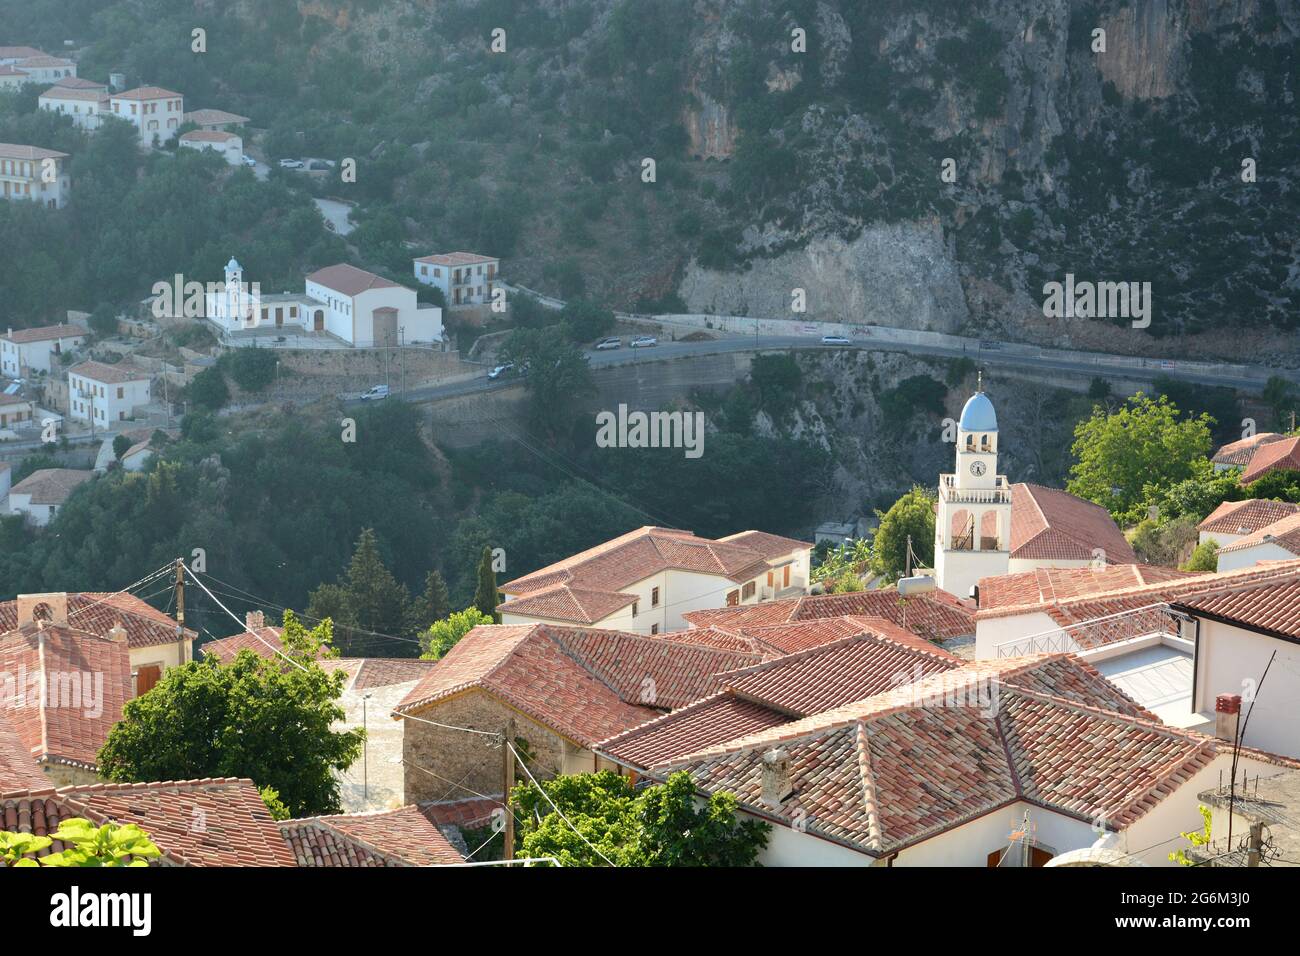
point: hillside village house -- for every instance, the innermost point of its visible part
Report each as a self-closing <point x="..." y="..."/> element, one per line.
<point x="1234" y="520"/>
<point x="155" y="642"/>
<point x="25" y="352"/>
<point x="86" y="106"/>
<point x="215" y="121"/>
<point x="979" y="765"/>
<point x="155" y="112"/>
<point x="14" y="411"/>
<point x="30" y="172"/>
<point x="41" y="494"/>
<point x="355" y="306"/>
<point x="465" y="278"/>
<point x="46" y="69"/>
<point x="985" y="526"/>
<point x="646" y="580"/>
<point x="104" y="394"/>
<point x="227" y="145"/>
<point x="9" y="55"/>
<point x="1279" y="541"/>
<point x="1237" y="454"/>
<point x="1281" y="455"/>
<point x="12" y="78"/>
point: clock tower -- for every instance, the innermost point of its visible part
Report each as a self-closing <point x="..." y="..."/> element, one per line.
<point x="972" y="529"/>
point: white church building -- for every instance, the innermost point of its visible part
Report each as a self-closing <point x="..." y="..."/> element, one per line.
<point x="987" y="527"/>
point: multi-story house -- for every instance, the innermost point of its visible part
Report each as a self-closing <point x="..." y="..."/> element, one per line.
<point x="157" y="113"/>
<point x="27" y="351"/>
<point x="229" y="146"/>
<point x="367" y="310"/>
<point x="11" y="55"/>
<point x="30" y="172"/>
<point x="465" y="278"/>
<point x="12" y="78"/>
<point x="85" y="105"/>
<point x="46" y="69"/>
<point x="103" y="394"/>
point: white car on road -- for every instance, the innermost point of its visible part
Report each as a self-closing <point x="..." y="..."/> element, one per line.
<point x="374" y="393"/>
<point x="291" y="164"/>
<point x="501" y="370"/>
<point x="835" y="340"/>
<point x="613" y="342"/>
<point x="248" y="160"/>
<point x="643" y="342"/>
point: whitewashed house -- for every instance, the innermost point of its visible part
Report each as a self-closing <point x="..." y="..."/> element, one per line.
<point x="229" y="146"/>
<point x="12" y="78"/>
<point x="41" y="494"/>
<point x="215" y="121"/>
<point x="155" y="112"/>
<point x="465" y="278"/>
<point x="366" y="310"/>
<point x="25" y="352"/>
<point x="105" y="394"/>
<point x="46" y="69"/>
<point x="11" y="55"/>
<point x="33" y="173"/>
<point x="86" y="106"/>
<point x="15" y="411"/>
<point x="1279" y="541"/>
<point x="644" y="581"/>
<point x="1234" y="520"/>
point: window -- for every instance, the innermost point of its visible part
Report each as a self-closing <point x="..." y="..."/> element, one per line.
<point x="634" y="608"/>
<point x="654" y="628"/>
<point x="771" y="578"/>
<point x="120" y="392"/>
<point x="654" y="597"/>
<point x="733" y="598"/>
<point x="750" y="588"/>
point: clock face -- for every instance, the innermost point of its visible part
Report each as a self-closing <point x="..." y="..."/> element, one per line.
<point x="977" y="468"/>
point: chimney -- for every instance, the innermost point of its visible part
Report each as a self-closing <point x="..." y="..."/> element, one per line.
<point x="776" y="778"/>
<point x="117" y="633"/>
<point x="254" y="621"/>
<point x="1227" y="714"/>
<point x="51" y="608"/>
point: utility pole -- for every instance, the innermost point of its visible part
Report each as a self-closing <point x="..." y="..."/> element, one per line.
<point x="365" y="753"/>
<point x="908" y="560"/>
<point x="180" y="597"/>
<point x="401" y="344"/>
<point x="508" y="784"/>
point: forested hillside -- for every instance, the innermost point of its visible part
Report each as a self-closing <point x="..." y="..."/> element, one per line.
<point x="825" y="164"/>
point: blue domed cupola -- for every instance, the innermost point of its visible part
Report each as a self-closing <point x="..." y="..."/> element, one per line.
<point x="978" y="415"/>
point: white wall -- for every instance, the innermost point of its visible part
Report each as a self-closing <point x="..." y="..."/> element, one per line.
<point x="35" y="356"/>
<point x="1231" y="660"/>
<point x="1248" y="557"/>
<point x="110" y="403"/>
<point x="991" y="632"/>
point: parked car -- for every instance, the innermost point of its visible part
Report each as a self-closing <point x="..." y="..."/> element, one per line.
<point x="990" y="344"/>
<point x="248" y="160"/>
<point x="501" y="370"/>
<point x="835" y="340"/>
<point x="643" y="342"/>
<point x="374" y="393"/>
<point x="1168" y="364"/>
<point x="291" y="164"/>
<point x="613" y="342"/>
<point x="317" y="165"/>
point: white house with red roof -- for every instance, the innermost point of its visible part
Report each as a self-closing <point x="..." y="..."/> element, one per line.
<point x="647" y="580"/>
<point x="1237" y="454"/>
<point x="33" y="173"/>
<point x="156" y="113"/>
<point x="24" y="352"/>
<point x="1279" y="541"/>
<point x="46" y="69"/>
<point x="86" y="106"/>
<point x="985" y="526"/>
<point x="465" y="278"/>
<point x="225" y="144"/>
<point x="1234" y="520"/>
<point x="41" y="494"/>
<point x="107" y="394"/>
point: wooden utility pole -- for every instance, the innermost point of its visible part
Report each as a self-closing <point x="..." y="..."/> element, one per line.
<point x="180" y="601"/>
<point x="508" y="784"/>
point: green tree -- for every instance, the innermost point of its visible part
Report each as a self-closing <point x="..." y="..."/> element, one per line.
<point x="912" y="514"/>
<point x="586" y="321"/>
<point x="252" y="369"/>
<point x="660" y="825"/>
<point x="442" y="635"/>
<point x="1203" y="557"/>
<point x="486" y="595"/>
<point x="1198" y="495"/>
<point x="121" y="444"/>
<point x="268" y="719"/>
<point x="366" y="598"/>
<point x="557" y="375"/>
<point x="1145" y="446"/>
<point x="433" y="604"/>
<point x="208" y="390"/>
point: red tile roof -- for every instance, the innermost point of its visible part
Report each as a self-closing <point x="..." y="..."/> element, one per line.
<point x="1243" y="517"/>
<point x="1240" y="452"/>
<point x="403" y="837"/>
<point x="584" y="683"/>
<point x="147" y="93"/>
<point x="45" y="333"/>
<point x="1272" y="607"/>
<point x="263" y="641"/>
<point x="1281" y="455"/>
<point x="210" y="822"/>
<point x="18" y="769"/>
<point x="51" y="486"/>
<point x="935" y="614"/>
<point x="1284" y="533"/>
<point x="456" y="259"/>
<point x="349" y="280"/>
<point x="1050" y="524"/>
<point x="21" y="151"/>
<point x="563" y="603"/>
<point x="85" y="680"/>
<point x="1049" y="584"/>
<point x="99" y="613"/>
<point x="882" y="774"/>
<point x="711" y="720"/>
<point x="110" y="374"/>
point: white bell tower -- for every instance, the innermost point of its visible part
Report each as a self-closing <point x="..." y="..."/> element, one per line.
<point x="972" y="529"/>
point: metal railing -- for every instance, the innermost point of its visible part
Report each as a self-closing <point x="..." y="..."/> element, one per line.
<point x="1153" y="619"/>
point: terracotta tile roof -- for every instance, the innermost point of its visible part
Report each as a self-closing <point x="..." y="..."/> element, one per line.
<point x="349" y="280"/>
<point x="86" y="680"/>
<point x="147" y="93"/>
<point x="770" y="546"/>
<point x="1281" y="455"/>
<point x="617" y="564"/>
<point x="586" y="684"/>
<point x="209" y="117"/>
<point x="18" y="769"/>
<point x="1243" y="517"/>
<point x="935" y="614"/>
<point x="18" y="151"/>
<point x="1240" y="452"/>
<point x="402" y="837"/>
<point x="1048" y="584"/>
<point x="57" y="92"/>
<point x="1284" y="533"/>
<point x="207" y="136"/>
<point x="19" y="52"/>
<point x="13" y="400"/>
<point x="456" y="259"/>
<point x="45" y="333"/>
<point x="386" y="671"/>
<point x="881" y="774"/>
<point x="1272" y="607"/>
<point x="40" y="61"/>
<point x="711" y="720"/>
<point x="1050" y="524"/>
<point x="210" y="822"/>
<point x="260" y="642"/>
<point x="51" y="486"/>
<point x="563" y="603"/>
<point x="80" y="83"/>
<point x="99" y="613"/>
<point x="110" y="374"/>
<point x="7" y="70"/>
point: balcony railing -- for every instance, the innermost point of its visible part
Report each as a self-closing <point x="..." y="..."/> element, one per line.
<point x="1155" y="619"/>
<point x="999" y="494"/>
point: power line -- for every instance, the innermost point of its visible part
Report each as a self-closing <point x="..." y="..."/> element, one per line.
<point x="553" y="806"/>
